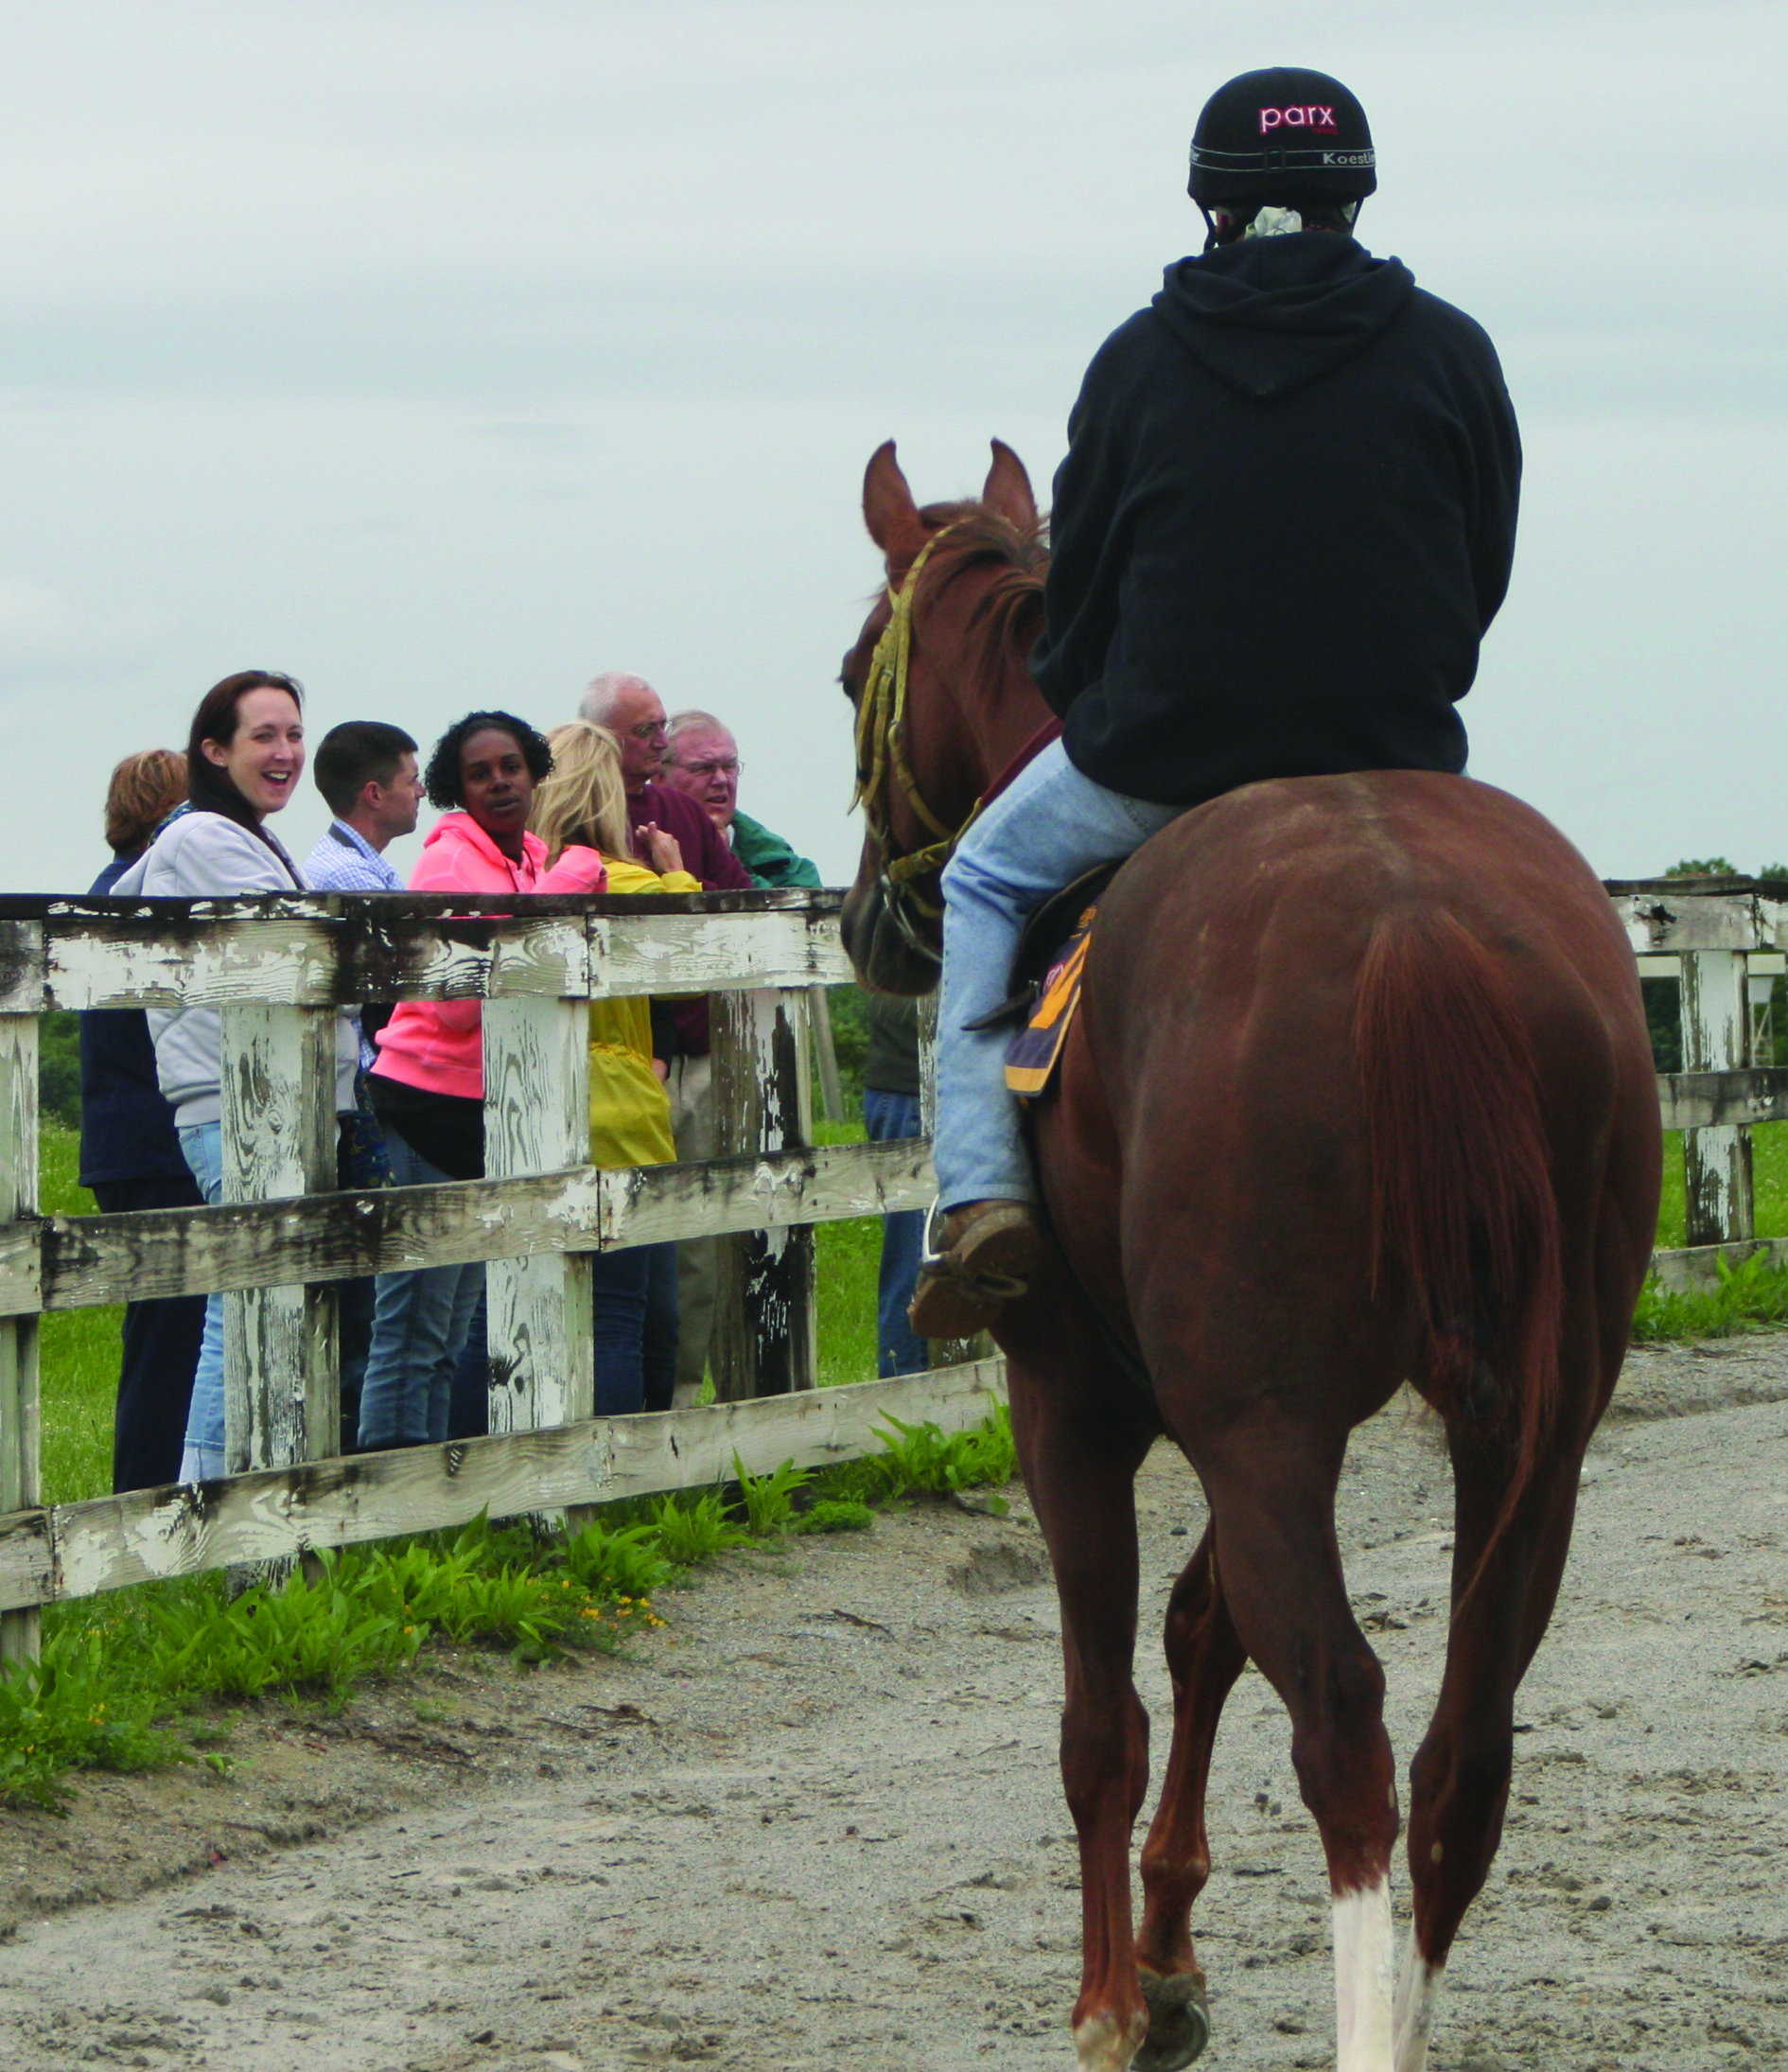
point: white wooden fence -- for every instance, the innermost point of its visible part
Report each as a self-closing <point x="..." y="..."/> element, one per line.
<point x="277" y="967"/>
<point x="1711" y="928"/>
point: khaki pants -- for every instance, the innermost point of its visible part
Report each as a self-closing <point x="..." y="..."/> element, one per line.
<point x="691" y="1090"/>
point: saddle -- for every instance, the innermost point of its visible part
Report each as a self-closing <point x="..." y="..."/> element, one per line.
<point x="1047" y="982"/>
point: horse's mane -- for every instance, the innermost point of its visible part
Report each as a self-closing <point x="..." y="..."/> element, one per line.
<point x="1010" y="611"/>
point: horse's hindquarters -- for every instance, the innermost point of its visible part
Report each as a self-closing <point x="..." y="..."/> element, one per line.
<point x="1361" y="1090"/>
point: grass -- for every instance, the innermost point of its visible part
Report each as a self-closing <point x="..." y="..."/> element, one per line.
<point x="848" y="1261"/>
<point x="78" y="1350"/>
<point x="1751" y="1297"/>
<point x="122" y="1677"/>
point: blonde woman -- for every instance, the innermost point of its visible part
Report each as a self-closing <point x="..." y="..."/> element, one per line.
<point x="584" y="801"/>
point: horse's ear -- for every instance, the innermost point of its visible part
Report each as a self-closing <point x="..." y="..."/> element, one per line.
<point x="888" y="509"/>
<point x="1008" y="489"/>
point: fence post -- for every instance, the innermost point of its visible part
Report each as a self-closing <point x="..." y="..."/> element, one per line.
<point x="825" y="1052"/>
<point x="282" y="1384"/>
<point x="537" y="1120"/>
<point x="766" y="1339"/>
<point x="1716" y="1038"/>
<point x="20" y="1435"/>
<point x="945" y="1352"/>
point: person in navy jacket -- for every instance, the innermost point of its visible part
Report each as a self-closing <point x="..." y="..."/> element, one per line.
<point x="130" y="1158"/>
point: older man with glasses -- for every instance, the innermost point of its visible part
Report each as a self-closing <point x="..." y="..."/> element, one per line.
<point x="631" y="710"/>
<point x="701" y="760"/>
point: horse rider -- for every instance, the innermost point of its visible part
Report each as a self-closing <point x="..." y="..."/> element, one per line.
<point x="1285" y="522"/>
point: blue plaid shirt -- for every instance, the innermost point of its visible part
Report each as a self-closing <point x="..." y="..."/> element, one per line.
<point x="345" y="861"/>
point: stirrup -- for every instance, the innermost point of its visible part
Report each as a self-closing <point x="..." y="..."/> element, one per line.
<point x="941" y="1266"/>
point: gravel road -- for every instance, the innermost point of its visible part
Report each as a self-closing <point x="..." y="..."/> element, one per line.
<point x="817" y="1825"/>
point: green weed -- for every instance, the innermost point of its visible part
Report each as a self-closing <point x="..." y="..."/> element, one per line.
<point x="924" y="1460"/>
<point x="835" y="1514"/>
<point x="629" y="1562"/>
<point x="73" y="1711"/>
<point x="769" y="1500"/>
<point x="321" y="1638"/>
<point x="1751" y="1297"/>
<point x="483" y="1584"/>
<point x="694" y="1529"/>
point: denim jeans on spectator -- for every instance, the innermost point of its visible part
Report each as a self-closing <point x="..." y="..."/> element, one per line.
<point x="420" y="1322"/>
<point x="468" y="1401"/>
<point x="202" y="1146"/>
<point x="634" y="1328"/>
<point x="898" y="1348"/>
<point x="635" y="1305"/>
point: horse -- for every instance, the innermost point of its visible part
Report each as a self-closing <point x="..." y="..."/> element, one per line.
<point x="1360" y="1091"/>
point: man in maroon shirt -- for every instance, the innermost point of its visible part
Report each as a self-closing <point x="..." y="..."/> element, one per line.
<point x="632" y="712"/>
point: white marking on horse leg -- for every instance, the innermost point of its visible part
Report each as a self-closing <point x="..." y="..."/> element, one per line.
<point x="1099" y="2045"/>
<point x="1418" y="1991"/>
<point x="1364" y="1961"/>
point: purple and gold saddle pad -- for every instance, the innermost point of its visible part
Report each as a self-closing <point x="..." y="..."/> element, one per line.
<point x="1032" y="1054"/>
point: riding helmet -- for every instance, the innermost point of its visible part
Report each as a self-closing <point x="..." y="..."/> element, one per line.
<point x="1283" y="131"/>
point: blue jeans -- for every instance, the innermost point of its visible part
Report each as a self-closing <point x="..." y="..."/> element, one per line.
<point x="898" y="1348"/>
<point x="420" y="1322"/>
<point x="636" y="1325"/>
<point x="1038" y="835"/>
<point x="202" y="1146"/>
<point x="635" y="1330"/>
<point x="468" y="1401"/>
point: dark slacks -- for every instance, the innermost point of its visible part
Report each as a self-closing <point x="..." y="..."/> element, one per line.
<point x="899" y="1349"/>
<point x="160" y="1351"/>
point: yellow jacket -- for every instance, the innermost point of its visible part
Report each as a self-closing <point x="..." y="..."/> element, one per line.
<point x="630" y="1110"/>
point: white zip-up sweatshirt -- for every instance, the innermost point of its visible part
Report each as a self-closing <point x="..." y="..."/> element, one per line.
<point x="204" y="855"/>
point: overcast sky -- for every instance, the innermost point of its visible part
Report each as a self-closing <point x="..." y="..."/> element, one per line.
<point x="446" y="352"/>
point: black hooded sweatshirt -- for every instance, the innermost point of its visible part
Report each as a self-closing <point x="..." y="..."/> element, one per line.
<point x="1284" y="521"/>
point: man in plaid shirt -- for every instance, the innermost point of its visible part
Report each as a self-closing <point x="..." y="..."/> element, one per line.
<point x="367" y="771"/>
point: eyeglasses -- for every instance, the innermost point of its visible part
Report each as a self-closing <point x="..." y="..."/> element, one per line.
<point x="730" y="768"/>
<point x="649" y="729"/>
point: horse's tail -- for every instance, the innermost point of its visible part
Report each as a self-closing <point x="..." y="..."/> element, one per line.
<point x="1462" y="1203"/>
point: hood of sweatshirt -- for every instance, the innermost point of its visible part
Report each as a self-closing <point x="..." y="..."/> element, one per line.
<point x="1269" y="314"/>
<point x="458" y="829"/>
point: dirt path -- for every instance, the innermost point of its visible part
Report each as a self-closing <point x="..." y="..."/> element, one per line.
<point x="817" y="1825"/>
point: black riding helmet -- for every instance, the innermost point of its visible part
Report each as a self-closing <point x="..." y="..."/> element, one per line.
<point x="1282" y="136"/>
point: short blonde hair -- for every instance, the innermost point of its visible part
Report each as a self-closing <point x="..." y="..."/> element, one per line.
<point x="583" y="798"/>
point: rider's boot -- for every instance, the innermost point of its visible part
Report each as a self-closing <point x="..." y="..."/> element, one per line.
<point x="989" y="1252"/>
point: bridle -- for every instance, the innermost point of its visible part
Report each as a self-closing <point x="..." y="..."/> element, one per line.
<point x="882" y="763"/>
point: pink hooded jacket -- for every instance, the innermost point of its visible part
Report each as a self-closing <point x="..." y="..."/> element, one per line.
<point x="439" y="1044"/>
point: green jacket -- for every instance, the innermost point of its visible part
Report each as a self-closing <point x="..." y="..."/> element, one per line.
<point x="767" y="856"/>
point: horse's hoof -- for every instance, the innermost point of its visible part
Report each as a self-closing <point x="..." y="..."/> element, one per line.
<point x="1179" y="2027"/>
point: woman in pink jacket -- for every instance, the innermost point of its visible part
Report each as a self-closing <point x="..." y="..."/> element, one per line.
<point x="428" y="1082"/>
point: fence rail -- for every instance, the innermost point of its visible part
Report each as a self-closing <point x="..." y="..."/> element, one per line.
<point x="278" y="967"/>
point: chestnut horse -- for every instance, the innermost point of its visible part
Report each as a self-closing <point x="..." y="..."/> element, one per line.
<point x="1360" y="1091"/>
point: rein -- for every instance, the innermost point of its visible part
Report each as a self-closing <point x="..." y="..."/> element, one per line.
<point x="882" y="763"/>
